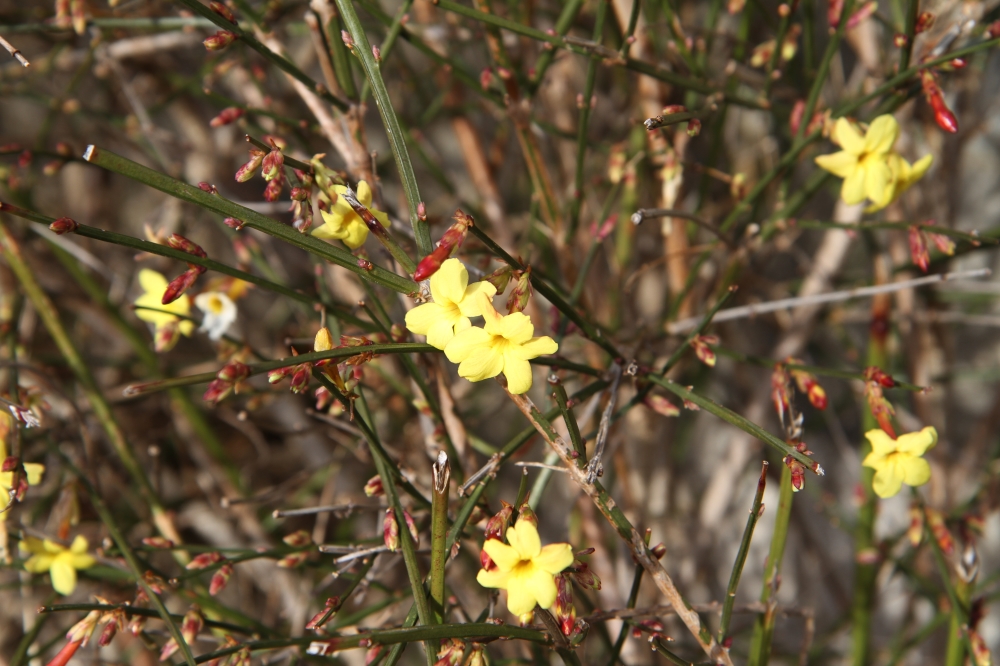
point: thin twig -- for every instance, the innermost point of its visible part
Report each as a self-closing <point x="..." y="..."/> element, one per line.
<point x="595" y="467"/>
<point x="342" y="510"/>
<point x="14" y="52"/>
<point x="554" y="468"/>
<point x="641" y="214"/>
<point x="745" y="311"/>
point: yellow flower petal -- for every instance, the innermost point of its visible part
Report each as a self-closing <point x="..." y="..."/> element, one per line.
<point x="364" y="193"/>
<point x="484" y="363"/>
<point x="39" y="563"/>
<point x="496" y="579"/>
<point x="449" y="282"/>
<point x="63" y="576"/>
<point x="542" y="586"/>
<point x="504" y="556"/>
<point x="879" y="185"/>
<point x="464" y="344"/>
<point x="881" y="135"/>
<point x="152" y="281"/>
<point x="517" y="328"/>
<point x="535" y="347"/>
<point x="847" y="136"/>
<point x="916" y="471"/>
<point x="917" y="443"/>
<point x="853" y="189"/>
<point x="355" y="233"/>
<point x="492" y="320"/>
<point x="79" y="544"/>
<point x="518" y="374"/>
<point x="470" y="305"/>
<point x="441" y="333"/>
<point x="82" y="561"/>
<point x="34" y="473"/>
<point x="420" y="319"/>
<point x="554" y="557"/>
<point x="882" y="444"/>
<point x="523" y="538"/>
<point x="840" y="164"/>
<point x="887" y="482"/>
<point x="520" y="597"/>
<point x="919" y="168"/>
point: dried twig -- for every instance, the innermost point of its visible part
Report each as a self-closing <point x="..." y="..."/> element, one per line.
<point x="14" y="52"/>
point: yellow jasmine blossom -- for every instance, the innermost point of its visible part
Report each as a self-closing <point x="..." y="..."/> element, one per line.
<point x="898" y="461"/>
<point x="341" y="222"/>
<point x="525" y="569"/>
<point x="505" y="345"/>
<point x="154" y="285"/>
<point x="864" y="161"/>
<point x="454" y="302"/>
<point x="59" y="561"/>
<point x="904" y="175"/>
<point x="32" y="471"/>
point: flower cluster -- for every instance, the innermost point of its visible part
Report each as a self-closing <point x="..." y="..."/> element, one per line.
<point x="869" y="166"/>
<point x="504" y="344"/>
<point x="170" y="319"/>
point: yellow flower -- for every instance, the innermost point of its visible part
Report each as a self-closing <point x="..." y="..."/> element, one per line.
<point x="343" y="223"/>
<point x="898" y="461"/>
<point x="864" y="161"/>
<point x="454" y="302"/>
<point x="505" y="345"/>
<point x="154" y="285"/>
<point x="525" y="569"/>
<point x="59" y="561"/>
<point x="33" y="472"/>
<point x="904" y="176"/>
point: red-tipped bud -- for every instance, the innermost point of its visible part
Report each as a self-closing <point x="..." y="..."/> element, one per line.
<point x="246" y="172"/>
<point x="500" y="277"/>
<point x="64" y="225"/>
<point x="496" y="526"/>
<point x="273" y="190"/>
<point x="227" y="116"/>
<point x="672" y="109"/>
<point x="938" y="529"/>
<point x="10" y="463"/>
<point x="330" y="609"/>
<point x="158" y="542"/>
<point x="233" y="223"/>
<point x="526" y="514"/>
<point x="584" y="576"/>
<point x="924" y="22"/>
<point x="899" y="40"/>
<point x="451" y="240"/>
<point x="705" y="354"/>
<point x="390" y="530"/>
<point x="374" y="487"/>
<point x="659" y="550"/>
<point x="412" y="526"/>
<point x="563" y="609"/>
<point x="234" y="371"/>
<point x="780" y="390"/>
<point x="300" y="378"/>
<point x="179" y="285"/>
<point x="694" y="127"/>
<point x="181" y="243"/>
<point x="932" y="92"/>
<point x="918" y="248"/>
<point x="915" y="532"/>
<point x="298" y="539"/>
<point x="205" y="186"/>
<point x="661" y="405"/>
<point x="222" y="11"/>
<point x="807" y="383"/>
<point x="485" y="78"/>
<point x="278" y="374"/>
<point x="219" y="40"/>
<point x="272" y="164"/>
<point x="422" y="211"/>
<point x="203" y="561"/>
<point x="944" y="244"/>
<point x="82" y="630"/>
<point x="219" y="579"/>
<point x="347" y="39"/>
<point x="798" y="471"/>
<point x="519" y="295"/>
<point x="450" y="653"/>
<point x="879" y="376"/>
<point x="293" y="560"/>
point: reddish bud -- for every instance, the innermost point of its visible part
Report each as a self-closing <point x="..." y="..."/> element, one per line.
<point x="450" y="653"/>
<point x="234" y="371"/>
<point x="924" y="22"/>
<point x="563" y="609"/>
<point x="300" y="378"/>
<point x="944" y="244"/>
<point x="298" y="539"/>
<point x="272" y="164"/>
<point x="658" y="551"/>
<point x="330" y="609"/>
<point x="219" y="579"/>
<point x="246" y="172"/>
<point x="705" y="354"/>
<point x="932" y="92"/>
<point x="219" y="40"/>
<point x="451" y="240"/>
<point x="158" y="542"/>
<point x="899" y="40"/>
<point x="273" y="190"/>
<point x="500" y="277"/>
<point x="293" y="560"/>
<point x="694" y="127"/>
<point x="65" y="654"/>
<point x="915" y="532"/>
<point x="178" y="242"/>
<point x="918" y="248"/>
<point x="227" y="116"/>
<point x="64" y="225"/>
<point x="374" y="487"/>
<point x="935" y="521"/>
<point x="390" y="530"/>
<point x="798" y="471"/>
<point x="347" y="39"/>
<point x="179" y="285"/>
<point x="204" y="560"/>
<point x="222" y="11"/>
<point x="661" y="405"/>
<point x="519" y="295"/>
<point x="422" y="211"/>
<point x="526" y="514"/>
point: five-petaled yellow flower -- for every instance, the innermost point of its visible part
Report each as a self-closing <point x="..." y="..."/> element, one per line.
<point x="898" y="461"/>
<point x="868" y="165"/>
<point x="167" y="324"/>
<point x="32" y="471"/>
<point x="343" y="223"/>
<point x="505" y="345"/>
<point x="525" y="569"/>
<point x="454" y="302"/>
<point x="59" y="561"/>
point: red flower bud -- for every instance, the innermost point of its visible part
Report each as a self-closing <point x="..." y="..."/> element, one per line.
<point x="219" y="40"/>
<point x="918" y="248"/>
<point x="204" y="560"/>
<point x="661" y="405"/>
<point x="272" y="164"/>
<point x="227" y="116"/>
<point x="222" y="11"/>
<point x="374" y="487"/>
<point x="64" y="225"/>
<point x="158" y="542"/>
<point x="246" y="172"/>
<point x="694" y="127"/>
<point x="924" y="22"/>
<point x="219" y="579"/>
<point x="233" y="223"/>
<point x="181" y="243"/>
<point x="519" y="295"/>
<point x="390" y="530"/>
<point x="179" y="285"/>
<point x="451" y="240"/>
<point x="273" y="190"/>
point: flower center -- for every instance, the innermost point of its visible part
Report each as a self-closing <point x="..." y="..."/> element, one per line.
<point x="500" y="344"/>
<point x="451" y="310"/>
<point x="523" y="568"/>
<point x="215" y="305"/>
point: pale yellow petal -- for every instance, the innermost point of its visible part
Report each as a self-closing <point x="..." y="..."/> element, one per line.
<point x="847" y="136"/>
<point x="63" y="576"/>
<point x="543" y="587"/>
<point x="874" y="460"/>
<point x="535" y="347"/>
<point x="420" y="319"/>
<point x="50" y="546"/>
<point x="887" y="482"/>
<point x="355" y="233"/>
<point x="327" y="231"/>
<point x="882" y="444"/>
<point x="495" y="579"/>
<point x="152" y="282"/>
<point x="153" y="300"/>
<point x="470" y="305"/>
<point x="504" y="556"/>
<point x="840" y="164"/>
<point x="881" y="135"/>
<point x="520" y="596"/>
<point x="484" y="363"/>
<point x="523" y="537"/>
<point x="31" y="545"/>
<point x="916" y="471"/>
<point x="449" y="282"/>
<point x="492" y="319"/>
<point x="441" y="333"/>
<point x="381" y="217"/>
<point x="466" y="343"/>
<point x="879" y="185"/>
<point x="364" y="193"/>
<point x="39" y="563"/>
<point x="518" y="374"/>
<point x="554" y="557"/>
<point x="462" y="323"/>
<point x="83" y="561"/>
<point x="917" y="443"/>
<point x="34" y="473"/>
<point x="517" y="327"/>
<point x="79" y="544"/>
<point x="919" y="168"/>
<point x="853" y="189"/>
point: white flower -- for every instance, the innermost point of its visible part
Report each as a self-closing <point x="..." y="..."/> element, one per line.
<point x="220" y="313"/>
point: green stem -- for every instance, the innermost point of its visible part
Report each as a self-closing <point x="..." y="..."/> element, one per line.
<point x="562" y="400"/>
<point x="389" y="41"/>
<point x="439" y="532"/>
<point x="566" y="17"/>
<point x="397" y="141"/>
<point x="633" y="597"/>
<point x="824" y="67"/>
<point x="763" y="629"/>
<point x="756" y="511"/>
<point x="251" y="218"/>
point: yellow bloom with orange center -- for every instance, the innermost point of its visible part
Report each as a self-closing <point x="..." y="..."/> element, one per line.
<point x="454" y="302"/>
<point x="899" y="461"/>
<point x="505" y="345"/>
<point x="343" y="223"/>
<point x="163" y="317"/>
<point x="868" y="165"/>
<point x="59" y="561"/>
<point x="525" y="569"/>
